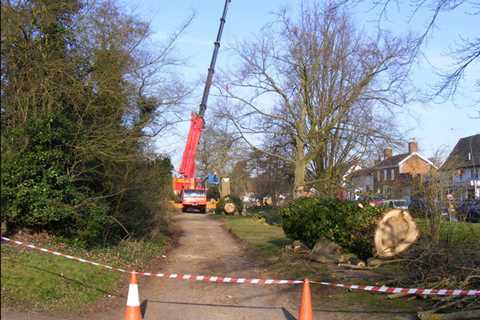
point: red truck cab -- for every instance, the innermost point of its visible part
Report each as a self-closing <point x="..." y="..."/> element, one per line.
<point x="194" y="199"/>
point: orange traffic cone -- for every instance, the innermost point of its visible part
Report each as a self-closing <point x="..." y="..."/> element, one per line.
<point x="133" y="311"/>
<point x="306" y="312"/>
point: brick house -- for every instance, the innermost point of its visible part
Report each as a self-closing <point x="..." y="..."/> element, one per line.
<point x="462" y="169"/>
<point x="394" y="175"/>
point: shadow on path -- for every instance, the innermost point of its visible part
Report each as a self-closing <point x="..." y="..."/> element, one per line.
<point x="286" y="313"/>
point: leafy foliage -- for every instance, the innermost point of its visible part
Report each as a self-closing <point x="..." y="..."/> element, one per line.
<point x="77" y="114"/>
<point x="37" y="192"/>
<point x="213" y="192"/>
<point x="344" y="222"/>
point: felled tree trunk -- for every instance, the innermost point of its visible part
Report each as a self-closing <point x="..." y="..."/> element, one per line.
<point x="229" y="208"/>
<point x="396" y="231"/>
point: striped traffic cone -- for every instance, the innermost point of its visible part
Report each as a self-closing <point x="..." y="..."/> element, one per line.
<point x="305" y="312"/>
<point x="133" y="311"/>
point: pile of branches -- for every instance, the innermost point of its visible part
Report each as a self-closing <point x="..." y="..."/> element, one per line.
<point x="448" y="263"/>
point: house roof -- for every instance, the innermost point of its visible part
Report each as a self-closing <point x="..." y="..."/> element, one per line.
<point x="393" y="161"/>
<point x="418" y="155"/>
<point x="459" y="157"/>
<point x="361" y="173"/>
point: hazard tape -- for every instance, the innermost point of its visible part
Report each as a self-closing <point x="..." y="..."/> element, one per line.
<point x="412" y="291"/>
<point x="179" y="276"/>
<point x="221" y="279"/>
<point x="56" y="253"/>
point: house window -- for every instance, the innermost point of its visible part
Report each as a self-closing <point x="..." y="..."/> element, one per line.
<point x="385" y="173"/>
<point x="392" y="174"/>
<point x="379" y="175"/>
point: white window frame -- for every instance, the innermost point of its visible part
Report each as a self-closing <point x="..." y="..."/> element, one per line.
<point x="385" y="174"/>
<point x="392" y="174"/>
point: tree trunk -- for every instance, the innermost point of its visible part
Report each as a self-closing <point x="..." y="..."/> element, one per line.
<point x="300" y="165"/>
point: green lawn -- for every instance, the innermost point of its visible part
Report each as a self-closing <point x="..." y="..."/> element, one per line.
<point x="267" y="239"/>
<point x="37" y="281"/>
<point x="453" y="231"/>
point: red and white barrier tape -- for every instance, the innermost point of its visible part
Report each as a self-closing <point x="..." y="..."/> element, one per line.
<point x="56" y="253"/>
<point x="179" y="276"/>
<point x="221" y="279"/>
<point x="412" y="291"/>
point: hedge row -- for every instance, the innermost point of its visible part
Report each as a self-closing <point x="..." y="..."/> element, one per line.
<point x="345" y="222"/>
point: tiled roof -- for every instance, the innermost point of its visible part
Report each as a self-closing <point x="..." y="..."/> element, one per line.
<point x="392" y="161"/>
<point x="459" y="157"/>
<point x="362" y="172"/>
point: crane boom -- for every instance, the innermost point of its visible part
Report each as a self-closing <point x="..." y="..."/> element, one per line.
<point x="188" y="166"/>
<point x="211" y="69"/>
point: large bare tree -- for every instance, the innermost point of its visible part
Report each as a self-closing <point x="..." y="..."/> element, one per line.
<point x="324" y="91"/>
<point x="465" y="52"/>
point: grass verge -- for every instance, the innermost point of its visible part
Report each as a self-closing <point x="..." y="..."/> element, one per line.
<point x="267" y="239"/>
<point x="267" y="243"/>
<point x="36" y="281"/>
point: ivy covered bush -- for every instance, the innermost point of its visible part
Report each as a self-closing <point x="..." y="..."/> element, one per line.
<point x="346" y="223"/>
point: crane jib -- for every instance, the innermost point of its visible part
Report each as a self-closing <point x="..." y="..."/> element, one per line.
<point x="187" y="168"/>
<point x="211" y="69"/>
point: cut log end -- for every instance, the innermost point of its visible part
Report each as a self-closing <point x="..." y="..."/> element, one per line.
<point x="396" y="232"/>
<point x="229" y="208"/>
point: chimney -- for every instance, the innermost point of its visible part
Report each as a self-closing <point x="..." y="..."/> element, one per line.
<point x="412" y="146"/>
<point x="387" y="153"/>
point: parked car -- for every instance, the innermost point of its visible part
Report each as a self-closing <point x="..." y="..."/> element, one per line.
<point x="396" y="203"/>
<point x="417" y="207"/>
<point x="375" y="200"/>
<point x="469" y="210"/>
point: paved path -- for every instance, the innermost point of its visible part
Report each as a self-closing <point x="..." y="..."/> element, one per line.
<point x="207" y="248"/>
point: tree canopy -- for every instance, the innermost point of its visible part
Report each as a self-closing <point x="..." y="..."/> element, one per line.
<point x="82" y="94"/>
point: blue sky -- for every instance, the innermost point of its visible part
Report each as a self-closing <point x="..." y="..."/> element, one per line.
<point x="434" y="125"/>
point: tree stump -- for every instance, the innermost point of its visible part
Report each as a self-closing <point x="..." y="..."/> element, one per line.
<point x="396" y="232"/>
<point x="229" y="208"/>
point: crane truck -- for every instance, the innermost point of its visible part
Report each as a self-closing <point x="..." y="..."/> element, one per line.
<point x="186" y="185"/>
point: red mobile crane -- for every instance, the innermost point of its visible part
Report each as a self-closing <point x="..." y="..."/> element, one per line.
<point x="186" y="179"/>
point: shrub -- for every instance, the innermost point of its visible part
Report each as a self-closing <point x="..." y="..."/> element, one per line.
<point x="344" y="222"/>
<point x="37" y="191"/>
<point x="213" y="192"/>
<point x="229" y="199"/>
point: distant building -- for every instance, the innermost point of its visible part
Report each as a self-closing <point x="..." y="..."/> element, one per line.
<point x="462" y="168"/>
<point x="361" y="181"/>
<point x="391" y="176"/>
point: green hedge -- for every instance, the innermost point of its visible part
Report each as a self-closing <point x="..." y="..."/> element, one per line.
<point x="344" y="222"/>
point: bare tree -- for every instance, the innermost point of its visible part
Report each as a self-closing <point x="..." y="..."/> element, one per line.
<point x="219" y="150"/>
<point x="332" y="91"/>
<point x="465" y="54"/>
